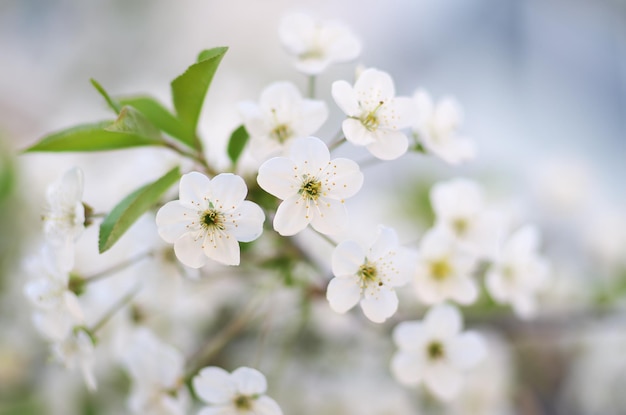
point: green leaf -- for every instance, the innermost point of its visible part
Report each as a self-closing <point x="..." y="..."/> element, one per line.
<point x="115" y="106"/>
<point x="160" y="117"/>
<point x="190" y="88"/>
<point x="237" y="142"/>
<point x="132" y="207"/>
<point x="92" y="137"/>
<point x="132" y="121"/>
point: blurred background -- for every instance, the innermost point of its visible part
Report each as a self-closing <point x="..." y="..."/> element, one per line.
<point x="542" y="83"/>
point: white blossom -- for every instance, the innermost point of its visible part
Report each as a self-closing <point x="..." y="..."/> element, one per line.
<point x="444" y="270"/>
<point x="64" y="216"/>
<point x="317" y="44"/>
<point x="436" y="128"/>
<point x="460" y="208"/>
<point x="519" y="272"/>
<point x="236" y="393"/>
<point x="280" y="116"/>
<point x="435" y="352"/>
<point x="375" y="114"/>
<point x="312" y="186"/>
<point x="156" y="371"/>
<point x="369" y="276"/>
<point x="76" y="351"/>
<point x="209" y="218"/>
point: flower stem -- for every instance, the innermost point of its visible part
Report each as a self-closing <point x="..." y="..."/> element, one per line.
<point x="116" y="307"/>
<point x="326" y="238"/>
<point x="115" y="268"/>
<point x="311" y="86"/>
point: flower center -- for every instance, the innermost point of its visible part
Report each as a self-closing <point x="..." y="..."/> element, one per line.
<point x="367" y="272"/>
<point x="281" y="133"/>
<point x="460" y="226"/>
<point x="370" y="119"/>
<point x="435" y="350"/>
<point x="311" y="188"/>
<point x="243" y="402"/>
<point x="314" y="53"/>
<point x="212" y="219"/>
<point x="440" y="269"/>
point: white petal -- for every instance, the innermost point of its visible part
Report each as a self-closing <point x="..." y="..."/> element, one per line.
<point x="466" y="350"/>
<point x="386" y="240"/>
<point x="400" y="113"/>
<point x="310" y="155"/>
<point x="222" y="248"/>
<point x="295" y="31"/>
<point x="329" y="216"/>
<point x="278" y="177"/>
<point x="342" y="178"/>
<point x="424" y="106"/>
<point x="356" y="133"/>
<point x="410" y="335"/>
<point x="173" y="220"/>
<point x="381" y="308"/>
<point x="312" y="116"/>
<point x="249" y="381"/>
<point x="343" y="293"/>
<point x="193" y="188"/>
<point x="428" y="290"/>
<point x="443" y="380"/>
<point x="494" y="282"/>
<point x="448" y="113"/>
<point x="443" y="321"/>
<point x="390" y="145"/>
<point x="456" y="196"/>
<point x="214" y="385"/>
<point x="376" y="85"/>
<point x="345" y="97"/>
<point x="248" y="222"/>
<point x="347" y="257"/>
<point x="407" y="368"/>
<point x="188" y="250"/>
<point x="525" y="306"/>
<point x="266" y="406"/>
<point x="291" y="216"/>
<point x="463" y="291"/>
<point x="228" y="191"/>
<point x="219" y="410"/>
<point x="280" y="95"/>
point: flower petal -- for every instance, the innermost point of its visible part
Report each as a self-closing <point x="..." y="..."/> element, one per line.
<point x="347" y="257"/>
<point x="310" y="155"/>
<point x="219" y="410"/>
<point x="410" y="335"/>
<point x="466" y="350"/>
<point x="247" y="222"/>
<point x="390" y="145"/>
<point x="249" y="381"/>
<point x="312" y="116"/>
<point x="328" y="216"/>
<point x="408" y="368"/>
<point x="279" y="177"/>
<point x="266" y="406"/>
<point x="386" y="240"/>
<point x="291" y="216"/>
<point x="173" y="220"/>
<point x="342" y="178"/>
<point x="345" y="98"/>
<point x="188" y="250"/>
<point x="214" y="385"/>
<point x="463" y="290"/>
<point x="343" y="293"/>
<point x="356" y="133"/>
<point x="380" y="308"/>
<point x="193" y="189"/>
<point x="375" y="85"/>
<point x="443" y="321"/>
<point x="228" y="191"/>
<point x="222" y="248"/>
<point x="443" y="380"/>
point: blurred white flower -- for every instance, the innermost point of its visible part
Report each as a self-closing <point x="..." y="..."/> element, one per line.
<point x="435" y="352"/>
<point x="77" y="351"/>
<point x="240" y="392"/>
<point x="64" y="216"/>
<point x="519" y="272"/>
<point x="460" y="208"/>
<point x="209" y="218"/>
<point x="317" y="44"/>
<point x="370" y="275"/>
<point x="444" y="270"/>
<point x="156" y="371"/>
<point x="313" y="187"/>
<point x="375" y="114"/>
<point x="437" y="127"/>
<point x="280" y="116"/>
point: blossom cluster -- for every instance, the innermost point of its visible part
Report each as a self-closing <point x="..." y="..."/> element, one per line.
<point x="227" y="220"/>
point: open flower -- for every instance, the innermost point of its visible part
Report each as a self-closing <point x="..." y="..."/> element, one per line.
<point x="209" y="218"/>
<point x="240" y="392"/>
<point x="437" y="126"/>
<point x="370" y="275"/>
<point x="444" y="270"/>
<point x="313" y="187"/>
<point x="64" y="216"/>
<point x="77" y="351"/>
<point x="317" y="44"/>
<point x="375" y="114"/>
<point x="280" y="116"/>
<point x="435" y="351"/>
<point x="519" y="272"/>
